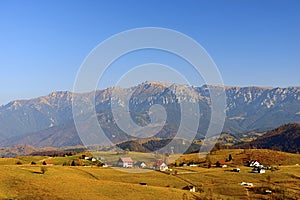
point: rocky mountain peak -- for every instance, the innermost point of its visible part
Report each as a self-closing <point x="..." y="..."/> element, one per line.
<point x="248" y="109"/>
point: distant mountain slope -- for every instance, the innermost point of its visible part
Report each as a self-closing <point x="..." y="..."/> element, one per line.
<point x="18" y="150"/>
<point x="58" y="136"/>
<point x="28" y="116"/>
<point x="284" y="138"/>
<point x="50" y="117"/>
<point x="153" y="145"/>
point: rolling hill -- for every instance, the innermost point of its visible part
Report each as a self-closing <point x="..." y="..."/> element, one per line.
<point x="284" y="138"/>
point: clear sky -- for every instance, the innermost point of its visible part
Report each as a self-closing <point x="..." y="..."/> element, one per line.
<point x="43" y="43"/>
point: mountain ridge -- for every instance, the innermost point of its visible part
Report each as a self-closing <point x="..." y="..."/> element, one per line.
<point x="248" y="108"/>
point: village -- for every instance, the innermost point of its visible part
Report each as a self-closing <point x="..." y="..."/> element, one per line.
<point x="128" y="163"/>
<point x="261" y="174"/>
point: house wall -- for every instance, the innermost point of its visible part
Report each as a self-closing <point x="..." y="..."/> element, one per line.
<point x="143" y="165"/>
<point x="125" y="164"/>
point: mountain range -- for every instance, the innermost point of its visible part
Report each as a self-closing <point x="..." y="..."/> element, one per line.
<point x="48" y="120"/>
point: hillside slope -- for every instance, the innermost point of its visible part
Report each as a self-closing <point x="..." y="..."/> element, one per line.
<point x="284" y="138"/>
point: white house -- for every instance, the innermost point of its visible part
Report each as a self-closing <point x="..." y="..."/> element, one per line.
<point x="143" y="165"/>
<point x="160" y="166"/>
<point x="258" y="170"/>
<point x="163" y="167"/>
<point x="236" y="170"/>
<point x="125" y="162"/>
<point x="247" y="184"/>
<point x="254" y="163"/>
<point x="191" y="188"/>
<point x="105" y="165"/>
<point x="140" y="164"/>
<point x="262" y="171"/>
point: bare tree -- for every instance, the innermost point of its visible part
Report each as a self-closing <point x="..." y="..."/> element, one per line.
<point x="43" y="169"/>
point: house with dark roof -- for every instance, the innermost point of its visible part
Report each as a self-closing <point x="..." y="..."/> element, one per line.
<point x="140" y="164"/>
<point x="190" y="188"/>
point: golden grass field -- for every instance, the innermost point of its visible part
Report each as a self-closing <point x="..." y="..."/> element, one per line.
<point x="65" y="182"/>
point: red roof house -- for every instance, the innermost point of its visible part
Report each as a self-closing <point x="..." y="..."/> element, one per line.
<point x="49" y="163"/>
<point x="160" y="165"/>
<point x="125" y="162"/>
<point x="221" y="163"/>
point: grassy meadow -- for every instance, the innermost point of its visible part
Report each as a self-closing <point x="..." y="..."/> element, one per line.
<point x="25" y="181"/>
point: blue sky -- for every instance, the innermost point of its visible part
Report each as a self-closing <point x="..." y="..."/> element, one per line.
<point x="43" y="43"/>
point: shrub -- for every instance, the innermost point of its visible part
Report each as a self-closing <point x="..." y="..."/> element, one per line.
<point x="19" y="163"/>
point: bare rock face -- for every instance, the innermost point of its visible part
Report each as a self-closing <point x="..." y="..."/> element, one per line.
<point x="48" y="120"/>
